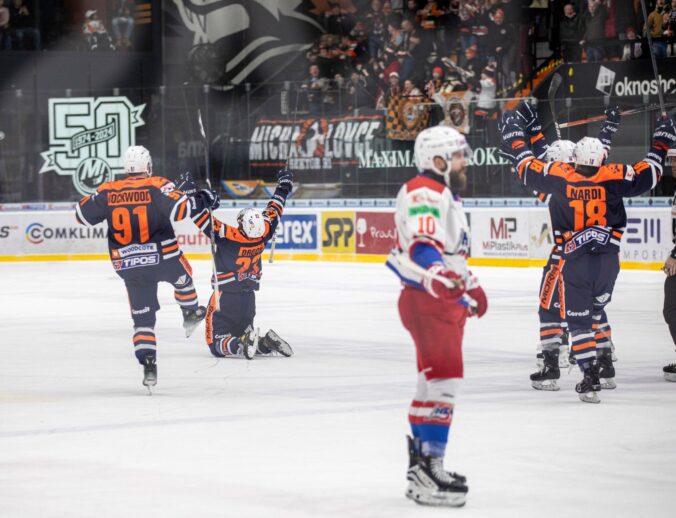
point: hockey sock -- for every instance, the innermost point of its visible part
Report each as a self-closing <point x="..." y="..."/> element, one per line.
<point x="144" y="342"/>
<point x="434" y="416"/>
<point x="583" y="346"/>
<point x="186" y="296"/>
<point x="602" y="333"/>
<point x="551" y="335"/>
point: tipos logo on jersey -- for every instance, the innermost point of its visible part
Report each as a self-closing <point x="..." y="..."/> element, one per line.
<point x="88" y="137"/>
<point x="136" y="261"/>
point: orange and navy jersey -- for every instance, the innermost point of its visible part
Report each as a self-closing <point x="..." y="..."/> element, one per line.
<point x="139" y="212"/>
<point x="238" y="258"/>
<point x="588" y="212"/>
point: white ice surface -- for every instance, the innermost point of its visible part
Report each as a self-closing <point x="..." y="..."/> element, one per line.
<point x="320" y="434"/>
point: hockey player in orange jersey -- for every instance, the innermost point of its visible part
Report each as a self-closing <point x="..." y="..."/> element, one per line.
<point x="139" y="210"/>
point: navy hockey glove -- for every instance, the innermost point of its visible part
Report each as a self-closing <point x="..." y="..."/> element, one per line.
<point x="285" y="180"/>
<point x="528" y="118"/>
<point x="209" y="199"/>
<point x="513" y="146"/>
<point x="665" y="134"/>
<point x="186" y="183"/>
<point x="610" y="125"/>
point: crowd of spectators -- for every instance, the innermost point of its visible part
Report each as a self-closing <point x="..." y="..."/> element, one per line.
<point x="413" y="48"/>
<point x="372" y="48"/>
<point x="598" y="30"/>
<point x="20" y="27"/>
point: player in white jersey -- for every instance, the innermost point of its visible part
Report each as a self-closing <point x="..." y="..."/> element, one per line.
<point x="438" y="294"/>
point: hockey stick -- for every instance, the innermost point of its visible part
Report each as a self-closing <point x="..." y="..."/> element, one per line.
<point x="217" y="291"/>
<point x="551" y="96"/>
<point x="660" y="97"/>
<point x="273" y="243"/>
<point x="633" y="111"/>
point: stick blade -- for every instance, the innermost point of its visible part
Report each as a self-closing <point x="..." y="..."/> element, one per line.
<point x="554" y="85"/>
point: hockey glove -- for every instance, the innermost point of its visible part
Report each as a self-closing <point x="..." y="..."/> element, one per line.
<point x="442" y="283"/>
<point x="528" y="118"/>
<point x="513" y="146"/>
<point x="285" y="180"/>
<point x="478" y="295"/>
<point x="186" y="183"/>
<point x="665" y="133"/>
<point x="209" y="199"/>
<point x="610" y="126"/>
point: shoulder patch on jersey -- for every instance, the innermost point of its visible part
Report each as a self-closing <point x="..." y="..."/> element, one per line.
<point x="422" y="181"/>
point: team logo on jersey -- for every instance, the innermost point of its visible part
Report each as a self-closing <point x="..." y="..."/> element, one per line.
<point x="88" y="137"/>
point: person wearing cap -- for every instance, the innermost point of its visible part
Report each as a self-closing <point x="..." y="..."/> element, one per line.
<point x="435" y="84"/>
<point x="95" y="32"/>
<point x="393" y="90"/>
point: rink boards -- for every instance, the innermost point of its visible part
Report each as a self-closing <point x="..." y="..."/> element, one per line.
<point x="500" y="236"/>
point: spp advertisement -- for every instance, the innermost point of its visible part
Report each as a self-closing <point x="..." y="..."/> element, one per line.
<point x="338" y="232"/>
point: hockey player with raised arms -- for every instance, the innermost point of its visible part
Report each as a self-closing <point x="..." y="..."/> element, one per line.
<point x="552" y="326"/>
<point x="438" y="293"/>
<point x="140" y="210"/>
<point x="587" y="211"/>
<point x="230" y="332"/>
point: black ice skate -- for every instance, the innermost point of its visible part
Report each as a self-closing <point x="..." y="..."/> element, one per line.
<point x="149" y="372"/>
<point x="414" y="457"/>
<point x="670" y="372"/>
<point x="546" y="378"/>
<point x="192" y="318"/>
<point x="589" y="386"/>
<point x="272" y="342"/>
<point x="606" y="369"/>
<point x="429" y="484"/>
<point x="249" y="343"/>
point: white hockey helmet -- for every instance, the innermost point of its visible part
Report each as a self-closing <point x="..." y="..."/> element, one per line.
<point x="251" y="223"/>
<point x="561" y="151"/>
<point x="439" y="141"/>
<point x="137" y="160"/>
<point x="589" y="152"/>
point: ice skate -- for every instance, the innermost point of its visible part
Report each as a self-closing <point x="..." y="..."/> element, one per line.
<point x="414" y="458"/>
<point x="546" y="378"/>
<point x="192" y="318"/>
<point x="589" y="386"/>
<point x="149" y="372"/>
<point x="670" y="372"/>
<point x="606" y="370"/>
<point x="429" y="484"/>
<point x="249" y="343"/>
<point x="272" y="342"/>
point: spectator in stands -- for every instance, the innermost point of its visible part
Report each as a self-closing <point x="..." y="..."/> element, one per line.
<point x="594" y="23"/>
<point x="411" y="90"/>
<point x="632" y="49"/>
<point x="24" y="27"/>
<point x="409" y="51"/>
<point x="503" y="38"/>
<point x="670" y="20"/>
<point x="410" y="12"/>
<point x="358" y="91"/>
<point x="317" y="91"/>
<point x="375" y="24"/>
<point x="95" y="32"/>
<point x="486" y="106"/>
<point x="436" y="84"/>
<point x="360" y="36"/>
<point x="393" y="90"/>
<point x="337" y="21"/>
<point x="570" y="32"/>
<point x="5" y="36"/>
<point x="656" y="25"/>
<point x="123" y="23"/>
